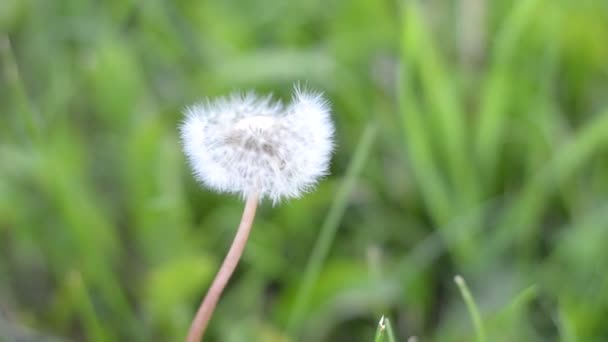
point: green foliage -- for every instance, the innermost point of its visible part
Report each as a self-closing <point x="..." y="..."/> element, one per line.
<point x="491" y="163"/>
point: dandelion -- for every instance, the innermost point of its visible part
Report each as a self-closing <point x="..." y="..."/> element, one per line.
<point x="259" y="149"/>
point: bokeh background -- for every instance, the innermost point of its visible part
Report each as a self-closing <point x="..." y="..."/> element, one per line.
<point x="472" y="139"/>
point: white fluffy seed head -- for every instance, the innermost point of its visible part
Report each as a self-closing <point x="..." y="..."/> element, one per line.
<point x="246" y="144"/>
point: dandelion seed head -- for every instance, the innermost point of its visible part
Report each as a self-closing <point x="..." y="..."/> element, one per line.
<point x="246" y="144"/>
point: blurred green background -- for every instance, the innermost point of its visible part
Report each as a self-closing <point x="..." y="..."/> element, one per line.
<point x="472" y="139"/>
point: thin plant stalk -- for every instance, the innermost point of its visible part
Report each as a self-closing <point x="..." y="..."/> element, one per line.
<point x="329" y="229"/>
<point x="384" y="331"/>
<point x="472" y="307"/>
<point x="390" y="333"/>
<point x="201" y="320"/>
<point x="379" y="337"/>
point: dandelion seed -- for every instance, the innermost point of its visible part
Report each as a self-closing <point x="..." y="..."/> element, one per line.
<point x="257" y="148"/>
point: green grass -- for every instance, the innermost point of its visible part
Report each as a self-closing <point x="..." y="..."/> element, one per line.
<point x="384" y="332"/>
<point x="329" y="229"/>
<point x="472" y="307"/>
<point x="489" y="163"/>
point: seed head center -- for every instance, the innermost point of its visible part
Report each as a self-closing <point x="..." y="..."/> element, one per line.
<point x="255" y="123"/>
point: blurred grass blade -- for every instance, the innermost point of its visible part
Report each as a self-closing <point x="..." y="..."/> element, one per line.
<point x="379" y="337"/>
<point x="521" y="219"/>
<point x="433" y="187"/>
<point x="384" y="332"/>
<point x="93" y="326"/>
<point x="8" y="62"/>
<point x="329" y="228"/>
<point x="445" y="115"/>
<point x="472" y="307"/>
<point x="417" y="144"/>
<point x="389" y="331"/>
<point x="436" y="138"/>
<point x="496" y="93"/>
<point x="518" y="303"/>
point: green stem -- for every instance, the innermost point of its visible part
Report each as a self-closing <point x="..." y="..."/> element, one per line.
<point x="328" y="231"/>
<point x="472" y="307"/>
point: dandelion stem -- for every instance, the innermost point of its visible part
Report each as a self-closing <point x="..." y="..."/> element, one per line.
<point x="201" y="320"/>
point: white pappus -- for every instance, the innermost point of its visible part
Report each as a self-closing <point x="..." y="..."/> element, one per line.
<point x="245" y="144"/>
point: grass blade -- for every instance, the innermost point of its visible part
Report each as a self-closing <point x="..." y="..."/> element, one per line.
<point x="389" y="331"/>
<point x="520" y="220"/>
<point x="380" y="330"/>
<point x="329" y="229"/>
<point x="444" y="109"/>
<point x="496" y="92"/>
<point x="384" y="331"/>
<point x="472" y="307"/>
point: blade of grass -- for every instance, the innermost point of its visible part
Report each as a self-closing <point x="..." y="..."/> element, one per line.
<point x="93" y="326"/>
<point x="384" y="331"/>
<point x="521" y="219"/>
<point x="330" y="226"/>
<point x="389" y="331"/>
<point x="457" y="189"/>
<point x="31" y="124"/>
<point x="379" y="337"/>
<point x="513" y="316"/>
<point x="93" y="241"/>
<point x="515" y="306"/>
<point x="524" y="297"/>
<point x="472" y="307"/>
<point x="445" y="112"/>
<point x="432" y="185"/>
<point x="496" y="92"/>
<point x="417" y="144"/>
